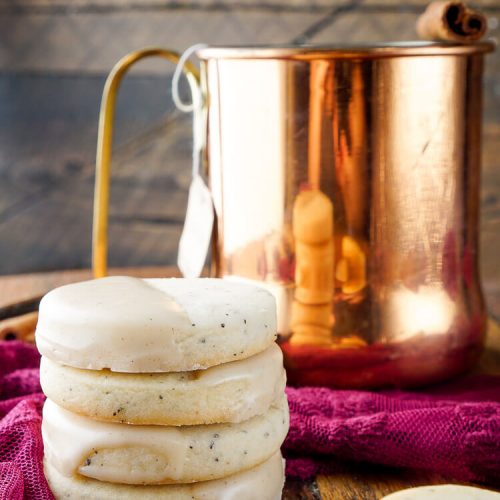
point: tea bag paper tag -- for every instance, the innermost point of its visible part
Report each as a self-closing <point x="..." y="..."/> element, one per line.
<point x="197" y="232"/>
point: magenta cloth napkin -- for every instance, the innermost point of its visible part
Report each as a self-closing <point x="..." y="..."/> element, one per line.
<point x="21" y="447"/>
<point x="453" y="429"/>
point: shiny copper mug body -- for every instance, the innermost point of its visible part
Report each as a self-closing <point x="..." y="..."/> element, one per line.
<point x="347" y="182"/>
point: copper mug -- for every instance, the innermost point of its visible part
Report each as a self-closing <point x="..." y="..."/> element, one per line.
<point x="346" y="181"/>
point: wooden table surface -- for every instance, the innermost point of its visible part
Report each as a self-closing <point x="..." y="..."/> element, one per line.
<point x="351" y="481"/>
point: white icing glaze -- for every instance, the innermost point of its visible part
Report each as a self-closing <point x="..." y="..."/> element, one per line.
<point x="88" y="435"/>
<point x="444" y="491"/>
<point x="283" y="295"/>
<point x="260" y="369"/>
<point x="148" y="454"/>
<point x="264" y="482"/>
<point x="133" y="325"/>
<point x="263" y="372"/>
<point x="262" y="375"/>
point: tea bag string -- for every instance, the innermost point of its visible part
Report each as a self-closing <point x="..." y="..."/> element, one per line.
<point x="197" y="231"/>
<point x="195" y="106"/>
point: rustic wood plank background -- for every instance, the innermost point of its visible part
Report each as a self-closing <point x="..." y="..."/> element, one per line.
<point x="54" y="56"/>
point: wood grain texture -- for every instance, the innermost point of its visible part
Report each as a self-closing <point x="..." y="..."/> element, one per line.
<point x="370" y="482"/>
<point x="54" y="56"/>
<point x="82" y="42"/>
<point x="18" y="288"/>
<point x="19" y="327"/>
<point x="301" y="490"/>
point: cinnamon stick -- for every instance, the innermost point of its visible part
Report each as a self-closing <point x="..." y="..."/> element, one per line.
<point x="19" y="328"/>
<point x="451" y="21"/>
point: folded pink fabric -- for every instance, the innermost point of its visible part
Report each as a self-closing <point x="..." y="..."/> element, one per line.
<point x="21" y="447"/>
<point x="453" y="429"/>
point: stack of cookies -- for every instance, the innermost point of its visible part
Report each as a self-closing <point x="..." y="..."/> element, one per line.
<point x="162" y="388"/>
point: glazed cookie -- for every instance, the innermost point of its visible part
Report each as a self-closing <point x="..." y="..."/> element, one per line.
<point x="232" y="392"/>
<point x="444" y="491"/>
<point x="137" y="454"/>
<point x="133" y="325"/>
<point x="264" y="482"/>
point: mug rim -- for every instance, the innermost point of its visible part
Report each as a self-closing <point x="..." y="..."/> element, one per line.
<point x="349" y="51"/>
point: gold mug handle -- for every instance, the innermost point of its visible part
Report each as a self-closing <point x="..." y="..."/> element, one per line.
<point x="105" y="143"/>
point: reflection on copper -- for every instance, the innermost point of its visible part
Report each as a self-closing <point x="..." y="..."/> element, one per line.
<point x="347" y="182"/>
<point x="428" y="310"/>
<point x="350" y="269"/>
<point x="312" y="226"/>
<point x="317" y="90"/>
<point x="350" y="145"/>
